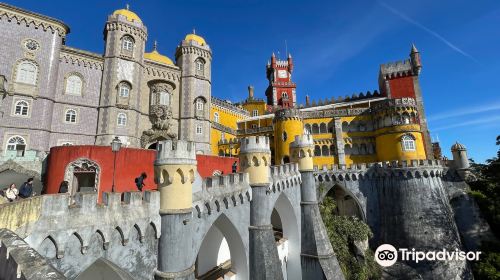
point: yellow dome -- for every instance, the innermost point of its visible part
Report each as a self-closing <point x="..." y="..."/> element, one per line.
<point x="131" y="16"/>
<point x="194" y="37"/>
<point x="157" y="57"/>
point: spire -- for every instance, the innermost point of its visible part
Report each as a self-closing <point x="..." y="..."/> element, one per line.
<point x="273" y="55"/>
<point x="194" y="31"/>
<point x="155" y="45"/>
<point x="289" y="55"/>
<point x="413" y="49"/>
<point x="127" y="6"/>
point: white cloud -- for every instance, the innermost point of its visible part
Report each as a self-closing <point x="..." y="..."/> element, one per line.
<point x="489" y="120"/>
<point x="467" y="111"/>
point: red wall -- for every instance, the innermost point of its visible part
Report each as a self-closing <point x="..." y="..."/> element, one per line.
<point x="208" y="164"/>
<point x="130" y="163"/>
<point x="402" y="87"/>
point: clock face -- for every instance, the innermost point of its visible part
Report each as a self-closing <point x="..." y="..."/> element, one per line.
<point x="282" y="74"/>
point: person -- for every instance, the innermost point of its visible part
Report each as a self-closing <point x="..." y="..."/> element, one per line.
<point x="235" y="167"/>
<point x="26" y="189"/>
<point x="63" y="187"/>
<point x="139" y="181"/>
<point x="11" y="193"/>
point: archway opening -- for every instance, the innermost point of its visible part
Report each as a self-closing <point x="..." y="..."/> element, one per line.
<point x="346" y="204"/>
<point x="287" y="237"/>
<point x="222" y="253"/>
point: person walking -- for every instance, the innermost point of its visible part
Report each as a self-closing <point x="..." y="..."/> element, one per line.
<point x="63" y="187"/>
<point x="139" y="181"/>
<point x="11" y="193"/>
<point x="26" y="189"/>
<point x="234" y="167"/>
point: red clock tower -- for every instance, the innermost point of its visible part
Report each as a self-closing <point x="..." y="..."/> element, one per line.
<point x="281" y="89"/>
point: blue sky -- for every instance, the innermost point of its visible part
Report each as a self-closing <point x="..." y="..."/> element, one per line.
<point x="337" y="48"/>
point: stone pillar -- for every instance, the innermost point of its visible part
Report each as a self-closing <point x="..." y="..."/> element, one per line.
<point x="175" y="167"/>
<point x="340" y="140"/>
<point x="317" y="257"/>
<point x="255" y="159"/>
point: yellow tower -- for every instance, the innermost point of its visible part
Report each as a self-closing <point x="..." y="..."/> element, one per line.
<point x="255" y="159"/>
<point x="287" y="124"/>
<point x="302" y="151"/>
<point x="175" y="169"/>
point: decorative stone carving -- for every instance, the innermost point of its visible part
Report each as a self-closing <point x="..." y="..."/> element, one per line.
<point x="81" y="164"/>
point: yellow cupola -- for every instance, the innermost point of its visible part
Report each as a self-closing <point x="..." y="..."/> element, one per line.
<point x="131" y="16"/>
<point x="196" y="38"/>
<point x="155" y="56"/>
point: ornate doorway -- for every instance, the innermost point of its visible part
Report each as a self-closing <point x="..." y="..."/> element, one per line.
<point x="82" y="176"/>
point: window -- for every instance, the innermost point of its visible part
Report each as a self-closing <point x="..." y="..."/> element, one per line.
<point x="16" y="143"/>
<point x="254" y="126"/>
<point x="408" y="142"/>
<point x="199" y="104"/>
<point x="124" y="90"/>
<point x="199" y="129"/>
<point x="200" y="66"/>
<point x="128" y="43"/>
<point x="74" y="85"/>
<point x="216" y="117"/>
<point x="27" y="73"/>
<point x="317" y="151"/>
<point x="284" y="136"/>
<point x="284" y="95"/>
<point x="70" y="116"/>
<point x="122" y="119"/>
<point x="66" y="144"/>
<point x="164" y="98"/>
<point x="21" y="108"/>
<point x="255" y="113"/>
<point x="406" y="119"/>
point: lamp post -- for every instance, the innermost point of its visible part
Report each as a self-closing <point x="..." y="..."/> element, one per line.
<point x="116" y="144"/>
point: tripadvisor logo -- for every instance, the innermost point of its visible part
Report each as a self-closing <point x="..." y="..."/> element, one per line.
<point x="387" y="255"/>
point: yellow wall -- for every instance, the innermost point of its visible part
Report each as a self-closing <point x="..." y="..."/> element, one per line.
<point x="292" y="127"/>
<point x="227" y="118"/>
<point x="389" y="146"/>
<point x="256" y="105"/>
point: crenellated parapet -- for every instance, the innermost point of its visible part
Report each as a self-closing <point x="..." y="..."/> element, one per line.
<point x="60" y="216"/>
<point x="222" y="192"/>
<point x="285" y="176"/>
<point x="255" y="158"/>
<point x="400" y="68"/>
<point x="287" y="114"/>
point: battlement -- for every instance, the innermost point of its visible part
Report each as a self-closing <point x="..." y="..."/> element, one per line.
<point x="19" y="261"/>
<point x="340" y="99"/>
<point x="254" y="144"/>
<point x="219" y="192"/>
<point x="282" y="63"/>
<point x="396" y="69"/>
<point x="176" y="152"/>
<point x="387" y="164"/>
<point x="302" y="141"/>
<point x="285" y="169"/>
<point x="288" y="113"/>
<point x="285" y="176"/>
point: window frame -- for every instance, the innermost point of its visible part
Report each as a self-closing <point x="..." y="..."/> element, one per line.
<point x="216" y="117"/>
<point x="128" y="43"/>
<point x="24" y="80"/>
<point x="408" y="143"/>
<point x="23" y="142"/>
<point x="121" y="116"/>
<point x="255" y="113"/>
<point x="199" y="129"/>
<point x="22" y="108"/>
<point x="168" y="98"/>
<point x="72" y="118"/>
<point x="200" y="105"/>
<point x="122" y="87"/>
<point x="68" y="82"/>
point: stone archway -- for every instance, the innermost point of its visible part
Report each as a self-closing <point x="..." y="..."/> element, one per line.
<point x="346" y="202"/>
<point x="285" y="223"/>
<point x="221" y="243"/>
<point x="82" y="175"/>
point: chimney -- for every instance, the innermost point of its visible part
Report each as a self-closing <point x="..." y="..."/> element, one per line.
<point x="250" y="92"/>
<point x="307" y="100"/>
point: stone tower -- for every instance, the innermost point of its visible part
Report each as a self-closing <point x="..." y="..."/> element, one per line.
<point x="194" y="57"/>
<point x="287" y="124"/>
<point x="175" y="169"/>
<point x="318" y="260"/>
<point x="119" y="109"/>
<point x="255" y="158"/>
<point x="460" y="159"/>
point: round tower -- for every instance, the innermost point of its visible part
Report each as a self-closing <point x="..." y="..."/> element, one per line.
<point x="301" y="151"/>
<point x="460" y="159"/>
<point x="287" y="124"/>
<point x="175" y="168"/>
<point x="255" y="159"/>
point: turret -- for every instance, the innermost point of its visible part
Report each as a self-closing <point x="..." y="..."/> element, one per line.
<point x="415" y="59"/>
<point x="194" y="57"/>
<point x="460" y="159"/>
<point x="255" y="159"/>
<point x="301" y="151"/>
<point x="287" y="124"/>
<point x="175" y="168"/>
<point x="250" y="93"/>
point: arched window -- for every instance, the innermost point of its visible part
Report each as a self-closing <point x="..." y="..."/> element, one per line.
<point x="74" y="85"/>
<point x="322" y="128"/>
<point x="255" y="113"/>
<point x="200" y="66"/>
<point x="216" y="117"/>
<point x="128" y="43"/>
<point x="317" y="151"/>
<point x="164" y="98"/>
<point x="355" y="149"/>
<point x="27" y="73"/>
<point x="284" y="95"/>
<point x="332" y="150"/>
<point x="362" y="149"/>
<point x="122" y="119"/>
<point x="16" y="143"/>
<point x="406" y="119"/>
<point x="22" y="108"/>
<point x="254" y="126"/>
<point x="70" y="116"/>
<point x="124" y="90"/>
<point x="325" y="151"/>
<point x="315" y="128"/>
<point x="199" y="129"/>
<point x="200" y="104"/>
<point x="408" y="142"/>
<point x="345" y="126"/>
<point x="307" y="128"/>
